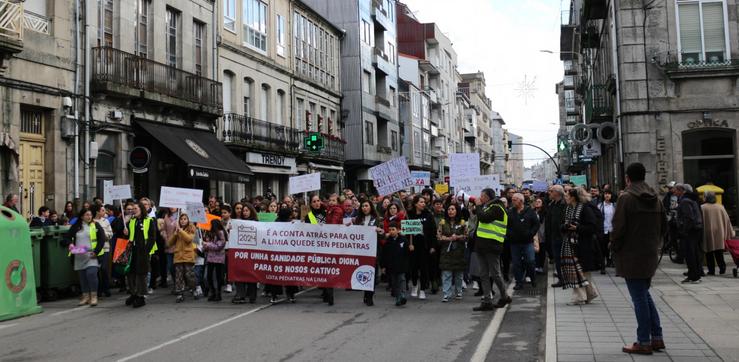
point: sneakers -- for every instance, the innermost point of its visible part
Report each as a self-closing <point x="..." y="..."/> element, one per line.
<point x="475" y="285"/>
<point x="445" y="299"/>
<point x="198" y="292"/>
<point x="130" y="299"/>
<point x="180" y="299"/>
<point x="527" y="279"/>
<point x="502" y="302"/>
<point x="229" y="288"/>
<point x="150" y="291"/>
<point x="691" y="281"/>
<point x="238" y="300"/>
<point x="414" y="291"/>
<point x="458" y="296"/>
<point x="273" y="300"/>
<point x="422" y="295"/>
<point x="139" y="302"/>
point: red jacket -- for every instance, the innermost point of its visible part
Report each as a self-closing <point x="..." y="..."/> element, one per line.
<point x="334" y="215"/>
<point x="400" y="216"/>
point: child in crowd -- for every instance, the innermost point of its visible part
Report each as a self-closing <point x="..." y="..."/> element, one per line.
<point x="181" y="241"/>
<point x="396" y="261"/>
<point x="214" y="242"/>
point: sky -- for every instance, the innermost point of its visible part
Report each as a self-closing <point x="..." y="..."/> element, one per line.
<point x="503" y="39"/>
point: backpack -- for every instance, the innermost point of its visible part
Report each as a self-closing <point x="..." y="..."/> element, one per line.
<point x="599" y="219"/>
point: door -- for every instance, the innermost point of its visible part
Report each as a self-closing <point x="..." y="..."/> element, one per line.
<point x="31" y="168"/>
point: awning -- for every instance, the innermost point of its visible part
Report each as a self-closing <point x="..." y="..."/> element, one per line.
<point x="325" y="167"/>
<point x="275" y="170"/>
<point x="206" y="157"/>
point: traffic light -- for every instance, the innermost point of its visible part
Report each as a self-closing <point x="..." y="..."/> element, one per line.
<point x="510" y="146"/>
<point x="313" y="142"/>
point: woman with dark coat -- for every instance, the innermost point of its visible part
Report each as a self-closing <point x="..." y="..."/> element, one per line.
<point x="579" y="249"/>
<point x="424" y="246"/>
<point x="143" y="243"/>
<point x="368" y="217"/>
<point x="317" y="215"/>
<point x="452" y="236"/>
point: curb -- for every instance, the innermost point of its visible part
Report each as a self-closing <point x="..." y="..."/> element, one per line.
<point x="551" y="332"/>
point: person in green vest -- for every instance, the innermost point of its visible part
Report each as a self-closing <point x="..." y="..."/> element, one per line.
<point x="492" y="222"/>
<point x="88" y="235"/>
<point x="317" y="215"/>
<point x="141" y="231"/>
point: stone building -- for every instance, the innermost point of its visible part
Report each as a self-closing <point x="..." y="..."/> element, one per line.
<point x="664" y="73"/>
<point x="415" y="115"/>
<point x="473" y="85"/>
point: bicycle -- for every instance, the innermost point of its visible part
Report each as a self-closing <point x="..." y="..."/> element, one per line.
<point x="669" y="248"/>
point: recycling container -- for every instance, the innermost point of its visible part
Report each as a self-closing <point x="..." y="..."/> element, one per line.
<point x="57" y="272"/>
<point x="37" y="238"/>
<point x="18" y="289"/>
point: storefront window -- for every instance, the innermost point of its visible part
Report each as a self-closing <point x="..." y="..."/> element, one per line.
<point x="709" y="157"/>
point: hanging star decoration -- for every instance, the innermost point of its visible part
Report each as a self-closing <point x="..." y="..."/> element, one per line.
<point x="526" y="89"/>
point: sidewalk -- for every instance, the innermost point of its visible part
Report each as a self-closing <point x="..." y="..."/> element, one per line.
<point x="700" y="321"/>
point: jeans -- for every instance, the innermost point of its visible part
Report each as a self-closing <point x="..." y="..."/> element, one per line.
<point x="89" y="279"/>
<point x="200" y="277"/>
<point x="522" y="256"/>
<point x="490" y="267"/>
<point x="451" y="282"/>
<point x="104" y="284"/>
<point x="556" y="246"/>
<point x="713" y="258"/>
<point x="647" y="317"/>
<point x="398" y="282"/>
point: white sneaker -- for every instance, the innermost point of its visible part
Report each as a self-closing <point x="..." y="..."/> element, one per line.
<point x="464" y="285"/>
<point x="414" y="291"/>
<point x="198" y="291"/>
<point x="528" y="280"/>
<point x="422" y="295"/>
<point x="150" y="291"/>
<point x="475" y="285"/>
<point x="458" y="296"/>
<point x="229" y="289"/>
<point x="445" y="299"/>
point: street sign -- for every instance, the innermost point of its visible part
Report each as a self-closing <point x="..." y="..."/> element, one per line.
<point x="314" y="142"/>
<point x="411" y="227"/>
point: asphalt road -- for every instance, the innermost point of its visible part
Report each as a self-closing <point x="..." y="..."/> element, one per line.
<point x="204" y="331"/>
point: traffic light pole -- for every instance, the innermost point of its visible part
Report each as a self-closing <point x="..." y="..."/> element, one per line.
<point x="559" y="172"/>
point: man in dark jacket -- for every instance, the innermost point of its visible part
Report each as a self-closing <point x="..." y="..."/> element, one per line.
<point x="42" y="219"/>
<point x="552" y="226"/>
<point x="638" y="227"/>
<point x="522" y="226"/>
<point x="690" y="231"/>
<point x="489" y="210"/>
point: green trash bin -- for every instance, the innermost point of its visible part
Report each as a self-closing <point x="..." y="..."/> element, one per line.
<point x="37" y="237"/>
<point x="57" y="274"/>
<point x="18" y="289"/>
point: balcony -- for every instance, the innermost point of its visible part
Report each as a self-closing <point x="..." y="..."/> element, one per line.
<point x="380" y="16"/>
<point x="11" y="30"/>
<point x="382" y="63"/>
<point x="238" y="130"/>
<point x="701" y="69"/>
<point x="433" y="98"/>
<point x="428" y="67"/>
<point x="598" y="105"/>
<point x="35" y="22"/>
<point x="384" y="109"/>
<point x="128" y="75"/>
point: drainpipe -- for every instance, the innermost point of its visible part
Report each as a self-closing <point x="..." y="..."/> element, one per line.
<point x="617" y="75"/>
<point x="76" y="172"/>
<point x="88" y="116"/>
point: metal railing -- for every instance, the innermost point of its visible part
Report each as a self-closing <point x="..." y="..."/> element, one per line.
<point x="116" y="66"/>
<point x="11" y="20"/>
<point x="35" y="22"/>
<point x="252" y="132"/>
<point x="598" y="102"/>
<point x="333" y="149"/>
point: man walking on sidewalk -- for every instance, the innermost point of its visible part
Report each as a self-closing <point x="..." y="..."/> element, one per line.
<point x="553" y="228"/>
<point x="489" y="237"/>
<point x="639" y="225"/>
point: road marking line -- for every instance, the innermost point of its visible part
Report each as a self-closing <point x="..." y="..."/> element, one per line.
<point x="486" y="342"/>
<point x="70" y="310"/>
<point x="3" y="326"/>
<point x="551" y="327"/>
<point x="204" y="329"/>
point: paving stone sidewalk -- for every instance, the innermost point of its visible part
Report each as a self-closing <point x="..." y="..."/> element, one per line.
<point x="700" y="321"/>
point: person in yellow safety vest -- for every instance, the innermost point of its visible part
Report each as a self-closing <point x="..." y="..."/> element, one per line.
<point x="141" y="232"/>
<point x="317" y="215"/>
<point x="489" y="237"/>
<point x="84" y="234"/>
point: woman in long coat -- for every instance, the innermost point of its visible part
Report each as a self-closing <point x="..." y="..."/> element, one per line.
<point x="716" y="230"/>
<point x="578" y="248"/>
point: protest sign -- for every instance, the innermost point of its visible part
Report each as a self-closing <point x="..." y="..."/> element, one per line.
<point x="473" y="185"/>
<point x="119" y="192"/>
<point x="208" y="218"/>
<point x="463" y="165"/>
<point x="579" y="180"/>
<point x="411" y="227"/>
<point x="327" y="256"/>
<point x="178" y="197"/>
<point x="441" y="188"/>
<point x="421" y="178"/>
<point x="106" y="192"/>
<point x="196" y="212"/>
<point x="539" y="186"/>
<point x="304" y="183"/>
<point x="266" y="216"/>
<point x="391" y="176"/>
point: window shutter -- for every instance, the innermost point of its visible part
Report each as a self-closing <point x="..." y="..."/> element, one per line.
<point x="690" y="32"/>
<point x="713" y="26"/>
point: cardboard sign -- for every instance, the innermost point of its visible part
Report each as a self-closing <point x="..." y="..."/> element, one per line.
<point x="441" y="189"/>
<point x="178" y="197"/>
<point x="539" y="186"/>
<point x="391" y="176"/>
<point x="474" y="185"/>
<point x="284" y="253"/>
<point x="304" y="183"/>
<point x="196" y="212"/>
<point x="106" y="192"/>
<point x="118" y="192"/>
<point x="579" y="180"/>
<point x="421" y="178"/>
<point x="266" y="216"/>
<point x="411" y="227"/>
<point x="208" y="218"/>
<point x="463" y="165"/>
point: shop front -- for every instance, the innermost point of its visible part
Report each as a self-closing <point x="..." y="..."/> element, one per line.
<point x="332" y="177"/>
<point x="271" y="173"/>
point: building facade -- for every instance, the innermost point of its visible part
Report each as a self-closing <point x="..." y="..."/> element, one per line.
<point x="415" y="115"/>
<point x="473" y="85"/>
<point x="499" y="145"/>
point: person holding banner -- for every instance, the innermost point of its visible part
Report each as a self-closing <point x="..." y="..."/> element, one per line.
<point x="104" y="260"/>
<point x="214" y="243"/>
<point x="87" y="237"/>
<point x="244" y="290"/>
<point x="425" y="246"/>
<point x="368" y="217"/>
<point x="142" y="235"/>
<point x="180" y="241"/>
<point x="317" y="215"/>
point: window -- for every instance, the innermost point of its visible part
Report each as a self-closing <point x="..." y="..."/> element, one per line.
<point x="366" y="32"/>
<point x="280" y="107"/>
<point x="312" y="116"/>
<point x="299" y="119"/>
<point x="229" y="14"/>
<point x="391" y="97"/>
<point x="255" y="24"/>
<point x="369" y="133"/>
<point x="391" y="53"/>
<point x="314" y="51"/>
<point x="331" y="119"/>
<point x="322" y="119"/>
<point x="142" y="28"/>
<point x="227" y="91"/>
<point x="200" y="49"/>
<point x="264" y="103"/>
<point x="569" y="81"/>
<point x="570" y="101"/>
<point x="173" y="18"/>
<point x="248" y="84"/>
<point x="280" y="35"/>
<point x="703" y="36"/>
<point x="366" y="83"/>
<point x="394" y="140"/>
<point x="105" y="13"/>
<point x="32" y="121"/>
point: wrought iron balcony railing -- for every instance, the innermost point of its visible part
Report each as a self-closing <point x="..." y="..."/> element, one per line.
<point x="251" y="132"/>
